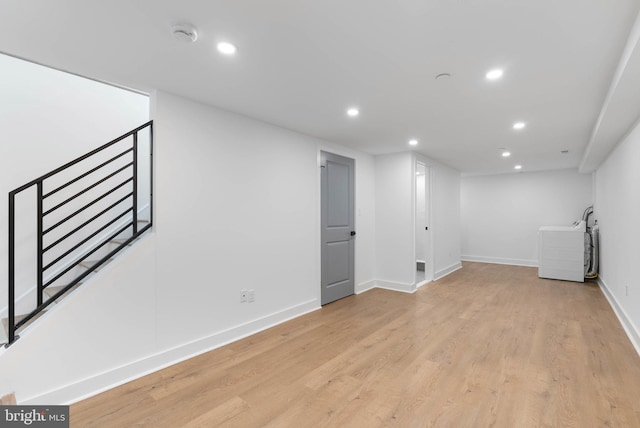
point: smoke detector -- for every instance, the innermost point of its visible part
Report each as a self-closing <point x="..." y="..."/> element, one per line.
<point x="185" y="33"/>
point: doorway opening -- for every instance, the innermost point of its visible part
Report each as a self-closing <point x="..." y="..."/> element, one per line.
<point x="423" y="259"/>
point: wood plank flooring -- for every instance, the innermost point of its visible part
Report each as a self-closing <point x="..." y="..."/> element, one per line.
<point x="487" y="346"/>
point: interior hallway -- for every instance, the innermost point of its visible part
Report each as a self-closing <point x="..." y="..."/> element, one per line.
<point x="489" y="345"/>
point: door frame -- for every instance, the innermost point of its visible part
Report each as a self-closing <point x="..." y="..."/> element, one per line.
<point x="429" y="268"/>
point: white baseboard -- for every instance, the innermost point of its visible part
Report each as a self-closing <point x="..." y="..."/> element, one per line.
<point x="395" y="286"/>
<point x="422" y="283"/>
<point x="389" y="285"/>
<point x="448" y="270"/>
<point x="89" y="387"/>
<point x="365" y="286"/>
<point x="500" y="261"/>
<point x="632" y="331"/>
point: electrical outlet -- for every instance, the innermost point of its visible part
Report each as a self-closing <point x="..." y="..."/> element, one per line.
<point x="243" y="296"/>
<point x="251" y="295"/>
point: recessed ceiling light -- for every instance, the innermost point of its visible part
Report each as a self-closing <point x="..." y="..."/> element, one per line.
<point x="443" y="76"/>
<point x="519" y="125"/>
<point x="227" y="48"/>
<point x="506" y="154"/>
<point x="185" y="33"/>
<point x="353" y="112"/>
<point x="413" y="142"/>
<point x="517" y="167"/>
<point x="494" y="74"/>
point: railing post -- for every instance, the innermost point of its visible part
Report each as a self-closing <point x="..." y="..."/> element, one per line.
<point x="12" y="285"/>
<point x="151" y="173"/>
<point x="135" y="183"/>
<point x="39" y="256"/>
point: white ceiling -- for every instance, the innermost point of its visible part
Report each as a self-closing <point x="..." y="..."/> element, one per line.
<point x="301" y="63"/>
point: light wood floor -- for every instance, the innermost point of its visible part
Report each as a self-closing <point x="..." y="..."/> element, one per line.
<point x="488" y="346"/>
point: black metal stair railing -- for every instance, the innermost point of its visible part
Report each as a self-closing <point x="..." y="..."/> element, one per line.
<point x="107" y="193"/>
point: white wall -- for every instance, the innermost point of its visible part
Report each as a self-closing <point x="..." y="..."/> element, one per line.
<point x="446" y="220"/>
<point x="501" y="214"/>
<point x="237" y="207"/>
<point x="48" y="118"/>
<point x="395" y="219"/>
<point x="617" y="209"/>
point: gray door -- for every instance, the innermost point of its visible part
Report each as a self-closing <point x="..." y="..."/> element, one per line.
<point x="338" y="231"/>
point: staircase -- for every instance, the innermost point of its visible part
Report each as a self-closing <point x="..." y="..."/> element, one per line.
<point x="73" y="221"/>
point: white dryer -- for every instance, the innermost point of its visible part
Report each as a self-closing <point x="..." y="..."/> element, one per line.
<point x="562" y="252"/>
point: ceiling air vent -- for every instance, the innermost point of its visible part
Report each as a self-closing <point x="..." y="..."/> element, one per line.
<point x="185" y="33"/>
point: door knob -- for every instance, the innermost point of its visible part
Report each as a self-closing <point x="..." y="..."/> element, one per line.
<point x="353" y="233"/>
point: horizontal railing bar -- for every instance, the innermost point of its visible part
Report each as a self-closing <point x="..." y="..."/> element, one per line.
<point x="84" y="241"/>
<point x="95" y="201"/>
<point x="119" y="201"/>
<point x="80" y="260"/>
<point x="81" y="158"/>
<point x="82" y="192"/>
<point x="91" y="171"/>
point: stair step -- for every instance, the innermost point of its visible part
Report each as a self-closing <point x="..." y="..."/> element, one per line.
<point x="51" y="291"/>
<point x="8" y="400"/>
<point x="123" y="240"/>
<point x="120" y="241"/>
<point x="5" y="321"/>
<point x="89" y="264"/>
